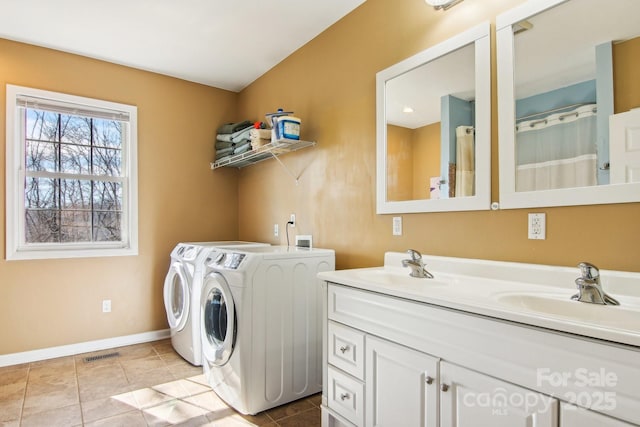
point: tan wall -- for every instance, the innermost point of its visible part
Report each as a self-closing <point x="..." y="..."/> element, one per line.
<point x="626" y="63"/>
<point x="330" y="84"/>
<point x="55" y="302"/>
<point x="399" y="163"/>
<point x="426" y="159"/>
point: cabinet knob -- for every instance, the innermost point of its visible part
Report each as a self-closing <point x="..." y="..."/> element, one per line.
<point x="428" y="380"/>
<point x="444" y="387"/>
<point x="344" y="349"/>
<point x="344" y="396"/>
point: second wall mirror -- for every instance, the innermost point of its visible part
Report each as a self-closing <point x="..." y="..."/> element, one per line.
<point x="433" y="128"/>
<point x="568" y="98"/>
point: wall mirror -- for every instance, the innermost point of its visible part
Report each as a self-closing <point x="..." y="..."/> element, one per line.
<point x="433" y="128"/>
<point x="568" y="98"/>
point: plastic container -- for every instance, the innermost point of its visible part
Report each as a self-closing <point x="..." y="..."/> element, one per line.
<point x="288" y="127"/>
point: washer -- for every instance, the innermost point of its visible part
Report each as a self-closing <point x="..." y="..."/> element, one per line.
<point x="262" y="332"/>
<point x="181" y="286"/>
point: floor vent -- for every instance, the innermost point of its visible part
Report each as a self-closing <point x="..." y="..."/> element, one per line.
<point x="101" y="356"/>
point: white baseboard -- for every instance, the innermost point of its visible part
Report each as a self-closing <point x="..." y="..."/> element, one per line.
<point x="84" y="347"/>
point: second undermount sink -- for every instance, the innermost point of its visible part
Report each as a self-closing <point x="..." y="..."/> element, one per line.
<point x="625" y="316"/>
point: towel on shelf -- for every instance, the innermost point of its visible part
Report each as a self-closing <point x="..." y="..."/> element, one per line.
<point x="236" y="136"/>
<point x="221" y="144"/>
<point x="224" y="152"/>
<point x="234" y="127"/>
<point x="242" y="148"/>
<point x="259" y="137"/>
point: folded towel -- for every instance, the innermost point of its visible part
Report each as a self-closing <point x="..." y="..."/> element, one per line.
<point x="220" y="145"/>
<point x="242" y="148"/>
<point x="234" y="137"/>
<point x="224" y="152"/>
<point x="234" y="127"/>
<point x="260" y="133"/>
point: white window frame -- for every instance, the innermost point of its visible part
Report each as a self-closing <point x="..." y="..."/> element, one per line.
<point x="16" y="247"/>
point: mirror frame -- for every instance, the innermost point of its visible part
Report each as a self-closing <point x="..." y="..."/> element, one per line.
<point x="481" y="38"/>
<point x="509" y="197"/>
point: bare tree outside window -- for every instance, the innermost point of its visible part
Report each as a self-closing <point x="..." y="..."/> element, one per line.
<point x="72" y="191"/>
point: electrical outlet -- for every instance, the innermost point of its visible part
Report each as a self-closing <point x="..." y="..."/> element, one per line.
<point x="292" y="219"/>
<point x="537" y="226"/>
<point x="106" y="306"/>
<point x="397" y="226"/>
<point x="276" y="230"/>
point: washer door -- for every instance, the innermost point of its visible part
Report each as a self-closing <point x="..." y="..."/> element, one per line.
<point x="218" y="320"/>
<point x="176" y="296"/>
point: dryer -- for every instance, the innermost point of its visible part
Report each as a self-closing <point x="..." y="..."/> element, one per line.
<point x="261" y="324"/>
<point x="180" y="284"/>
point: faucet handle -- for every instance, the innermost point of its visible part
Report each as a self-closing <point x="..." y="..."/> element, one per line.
<point x="589" y="271"/>
<point x="415" y="255"/>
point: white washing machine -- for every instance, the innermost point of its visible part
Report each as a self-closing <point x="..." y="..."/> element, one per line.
<point x="182" y="291"/>
<point x="261" y="314"/>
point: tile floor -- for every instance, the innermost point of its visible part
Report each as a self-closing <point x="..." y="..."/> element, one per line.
<point x="146" y="385"/>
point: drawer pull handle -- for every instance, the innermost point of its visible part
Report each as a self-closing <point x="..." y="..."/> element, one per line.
<point x="344" y="396"/>
<point x="344" y="349"/>
<point x="444" y="387"/>
<point x="429" y="380"/>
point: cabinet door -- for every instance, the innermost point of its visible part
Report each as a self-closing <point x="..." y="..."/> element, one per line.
<point x="401" y="386"/>
<point x="572" y="416"/>
<point x="470" y="399"/>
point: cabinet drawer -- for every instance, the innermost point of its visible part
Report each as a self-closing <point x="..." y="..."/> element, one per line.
<point x="346" y="349"/>
<point x="346" y="396"/>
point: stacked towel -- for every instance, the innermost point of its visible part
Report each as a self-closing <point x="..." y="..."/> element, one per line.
<point x="233" y="138"/>
<point x="259" y="137"/>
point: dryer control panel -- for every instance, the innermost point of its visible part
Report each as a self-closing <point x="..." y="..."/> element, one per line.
<point x="230" y="260"/>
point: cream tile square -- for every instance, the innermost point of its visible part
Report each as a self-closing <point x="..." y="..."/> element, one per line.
<point x="47" y="401"/>
<point x="143" y="379"/>
<point x="200" y="379"/>
<point x="208" y="400"/>
<point x="68" y="416"/>
<point x="104" y="408"/>
<point x="10" y="410"/>
<point x="129" y="419"/>
<point x="181" y="388"/>
<point x="142" y="398"/>
<point x="173" y="412"/>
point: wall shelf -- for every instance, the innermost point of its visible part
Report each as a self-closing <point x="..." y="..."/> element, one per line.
<point x="271" y="150"/>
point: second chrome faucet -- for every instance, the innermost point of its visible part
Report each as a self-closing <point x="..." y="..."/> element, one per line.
<point x="590" y="288"/>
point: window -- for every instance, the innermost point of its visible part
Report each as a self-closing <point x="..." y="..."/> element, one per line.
<point x="71" y="176"/>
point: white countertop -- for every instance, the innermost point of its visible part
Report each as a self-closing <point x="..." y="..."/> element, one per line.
<point x="530" y="294"/>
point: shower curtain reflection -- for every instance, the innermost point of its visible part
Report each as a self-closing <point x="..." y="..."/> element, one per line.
<point x="557" y="151"/>
<point x="465" y="162"/>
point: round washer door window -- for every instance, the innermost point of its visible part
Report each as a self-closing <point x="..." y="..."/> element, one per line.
<point x="176" y="297"/>
<point x="218" y="320"/>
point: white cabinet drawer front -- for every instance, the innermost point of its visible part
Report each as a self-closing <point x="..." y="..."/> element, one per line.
<point x="346" y="349"/>
<point x="346" y="396"/>
<point x="549" y="362"/>
<point x="572" y="416"/>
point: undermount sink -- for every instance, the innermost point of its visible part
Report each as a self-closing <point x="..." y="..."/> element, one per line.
<point x="388" y="276"/>
<point x="625" y="316"/>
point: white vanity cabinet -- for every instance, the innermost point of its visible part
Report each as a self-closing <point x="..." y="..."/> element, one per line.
<point x="390" y="361"/>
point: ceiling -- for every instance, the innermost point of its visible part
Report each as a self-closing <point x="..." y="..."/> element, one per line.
<point x="221" y="43"/>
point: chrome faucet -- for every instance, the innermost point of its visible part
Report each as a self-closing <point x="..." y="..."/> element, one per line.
<point x="416" y="264"/>
<point x="589" y="287"/>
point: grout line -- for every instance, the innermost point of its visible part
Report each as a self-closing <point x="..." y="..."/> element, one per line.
<point x="75" y="371"/>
